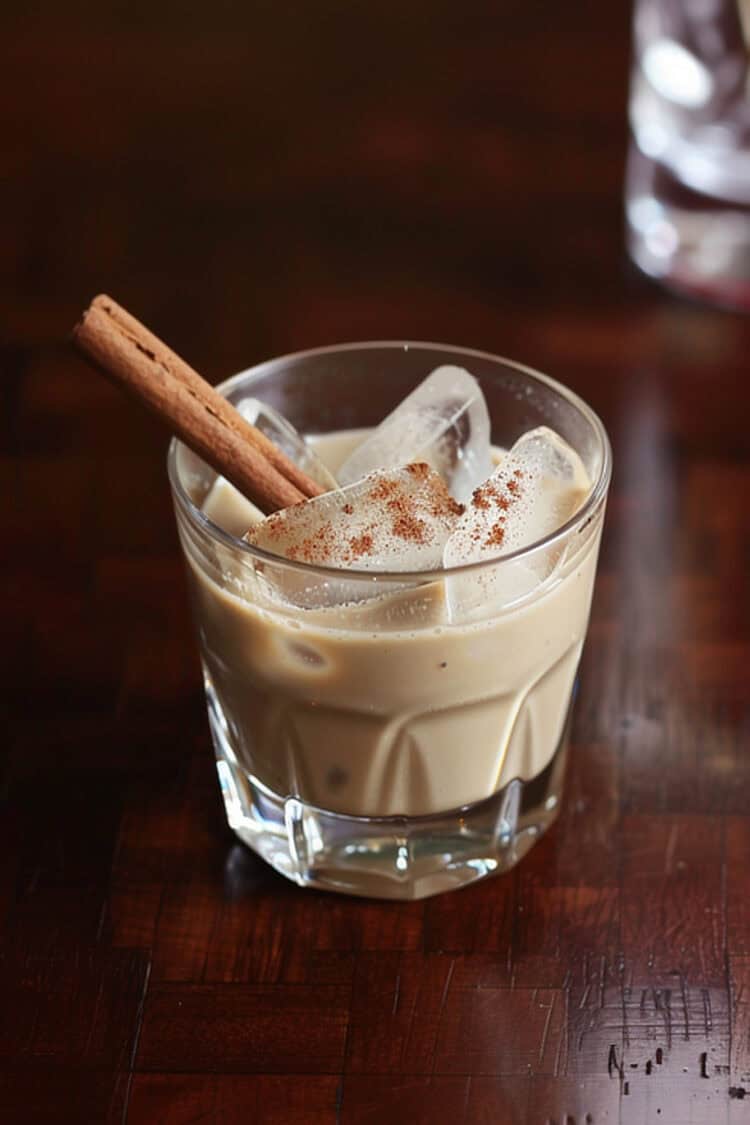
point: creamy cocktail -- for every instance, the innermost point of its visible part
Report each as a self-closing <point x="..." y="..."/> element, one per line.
<point x="389" y="701"/>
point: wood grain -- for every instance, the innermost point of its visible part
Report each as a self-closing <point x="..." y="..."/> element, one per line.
<point x="336" y="173"/>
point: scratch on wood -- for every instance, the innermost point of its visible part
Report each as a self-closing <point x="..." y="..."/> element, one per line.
<point x="663" y="1007"/>
<point x="685" y="1005"/>
<point x="396" y="993"/>
<point x="410" y="1028"/>
<point x="717" y="933"/>
<point x="675" y="928"/>
<point x="708" y="1019"/>
<point x="670" y="849"/>
<point x="739" y="1022"/>
<point x="448" y="978"/>
<point x="589" y="1025"/>
<point x="443" y="1000"/>
<point x="613" y="1063"/>
<point x="624" y="996"/>
<point x="702" y="952"/>
<point x="465" y="1117"/>
<point x="545" y="1033"/>
<point x="611" y="1059"/>
<point x="562" y="1040"/>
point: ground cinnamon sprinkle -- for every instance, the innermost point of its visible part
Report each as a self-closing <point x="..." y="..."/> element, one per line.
<point x="411" y="505"/>
<point x="490" y="494"/>
<point x="410" y="527"/>
<point x="361" y="545"/>
<point x="491" y="500"/>
<point x="315" y="548"/>
<point x="274" y="526"/>
<point x="382" y="489"/>
<point x="496" y="535"/>
<point x="480" y="497"/>
<point x="443" y="504"/>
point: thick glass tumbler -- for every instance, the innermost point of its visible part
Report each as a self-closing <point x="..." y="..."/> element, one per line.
<point x="392" y="734"/>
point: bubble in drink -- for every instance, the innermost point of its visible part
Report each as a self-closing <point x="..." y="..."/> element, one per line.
<point x="396" y="519"/>
<point x="539" y="484"/>
<point x="444" y="422"/>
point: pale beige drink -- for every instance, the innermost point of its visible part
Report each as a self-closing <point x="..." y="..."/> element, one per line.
<point x="386" y="708"/>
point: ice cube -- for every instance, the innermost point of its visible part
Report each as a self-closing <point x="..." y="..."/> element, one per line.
<point x="536" y="488"/>
<point x="444" y="422"/>
<point x="282" y="433"/>
<point x="397" y="519"/>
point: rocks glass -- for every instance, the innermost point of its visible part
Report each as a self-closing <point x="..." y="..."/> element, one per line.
<point x="389" y="744"/>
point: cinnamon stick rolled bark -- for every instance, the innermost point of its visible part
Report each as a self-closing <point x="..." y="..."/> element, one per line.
<point x="139" y="362"/>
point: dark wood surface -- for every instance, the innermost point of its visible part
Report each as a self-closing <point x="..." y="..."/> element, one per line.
<point x="253" y="179"/>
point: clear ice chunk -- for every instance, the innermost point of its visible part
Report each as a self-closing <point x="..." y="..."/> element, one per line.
<point x="538" y="485"/>
<point x="225" y="505"/>
<point x="397" y="520"/>
<point x="444" y="422"/>
<point x="282" y="433"/>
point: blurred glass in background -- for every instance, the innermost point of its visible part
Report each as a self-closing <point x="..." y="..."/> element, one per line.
<point x="688" y="173"/>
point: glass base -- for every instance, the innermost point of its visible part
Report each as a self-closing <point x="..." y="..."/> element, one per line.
<point x="696" y="244"/>
<point x="386" y="857"/>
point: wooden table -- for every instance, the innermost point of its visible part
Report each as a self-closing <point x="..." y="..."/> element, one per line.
<point x="258" y="179"/>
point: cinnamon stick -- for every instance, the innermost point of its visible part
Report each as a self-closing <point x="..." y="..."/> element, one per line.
<point x="126" y="352"/>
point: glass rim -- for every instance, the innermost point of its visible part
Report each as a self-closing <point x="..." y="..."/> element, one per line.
<point x="577" y="522"/>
